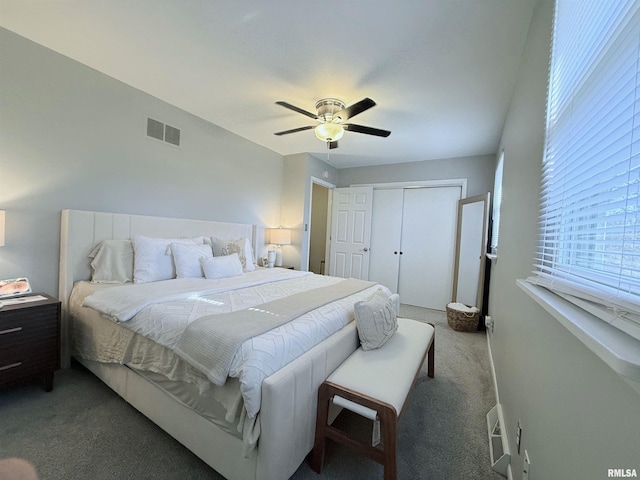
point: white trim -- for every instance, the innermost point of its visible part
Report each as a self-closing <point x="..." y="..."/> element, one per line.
<point x="617" y="349"/>
<point x="447" y="182"/>
<point x="324" y="183"/>
<point x="493" y="368"/>
<point x="306" y="235"/>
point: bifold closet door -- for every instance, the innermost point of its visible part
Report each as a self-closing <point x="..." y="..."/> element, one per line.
<point x="428" y="244"/>
<point x="386" y="226"/>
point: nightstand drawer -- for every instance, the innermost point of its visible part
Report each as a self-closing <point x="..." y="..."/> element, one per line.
<point x="30" y="340"/>
<point x="34" y="317"/>
<point x="17" y="364"/>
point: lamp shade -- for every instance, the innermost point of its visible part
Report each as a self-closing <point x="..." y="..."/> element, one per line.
<point x="1" y="228"/>
<point x="280" y="236"/>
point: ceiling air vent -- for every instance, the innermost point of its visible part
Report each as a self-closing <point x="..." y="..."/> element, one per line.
<point x="160" y="131"/>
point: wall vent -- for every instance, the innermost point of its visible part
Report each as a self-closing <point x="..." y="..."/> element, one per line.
<point x="172" y="135"/>
<point x="160" y="131"/>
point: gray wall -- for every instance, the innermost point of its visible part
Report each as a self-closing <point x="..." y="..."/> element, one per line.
<point x="479" y="172"/>
<point x="71" y="137"/>
<point x="579" y="418"/>
<point x="296" y="203"/>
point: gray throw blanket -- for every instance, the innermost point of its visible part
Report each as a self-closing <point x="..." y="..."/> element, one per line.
<point x="210" y="342"/>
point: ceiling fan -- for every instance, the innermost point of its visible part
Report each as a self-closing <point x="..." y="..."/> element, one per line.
<point x="332" y="113"/>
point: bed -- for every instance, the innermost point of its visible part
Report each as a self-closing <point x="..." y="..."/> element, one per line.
<point x="268" y="445"/>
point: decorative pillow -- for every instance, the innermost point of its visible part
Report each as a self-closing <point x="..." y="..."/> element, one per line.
<point x="188" y="259"/>
<point x="112" y="262"/>
<point x="222" y="267"/>
<point x="241" y="246"/>
<point x="376" y="320"/>
<point x="151" y="261"/>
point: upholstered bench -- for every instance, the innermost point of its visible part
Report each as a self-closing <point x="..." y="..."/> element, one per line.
<point x="375" y="384"/>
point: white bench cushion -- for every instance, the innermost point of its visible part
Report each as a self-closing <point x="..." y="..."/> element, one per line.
<point x="387" y="373"/>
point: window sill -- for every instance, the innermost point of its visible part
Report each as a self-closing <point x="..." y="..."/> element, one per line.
<point x="617" y="349"/>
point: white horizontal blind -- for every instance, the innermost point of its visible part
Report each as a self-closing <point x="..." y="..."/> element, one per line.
<point x="497" y="202"/>
<point x="589" y="243"/>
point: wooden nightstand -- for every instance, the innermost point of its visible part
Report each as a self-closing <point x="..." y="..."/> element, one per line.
<point x="30" y="340"/>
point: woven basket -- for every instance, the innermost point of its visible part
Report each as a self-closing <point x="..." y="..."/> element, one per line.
<point x="462" y="321"/>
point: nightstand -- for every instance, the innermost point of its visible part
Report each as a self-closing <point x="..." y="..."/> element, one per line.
<point x="30" y="339"/>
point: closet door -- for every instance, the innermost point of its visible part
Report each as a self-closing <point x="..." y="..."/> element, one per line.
<point x="386" y="226"/>
<point x="428" y="245"/>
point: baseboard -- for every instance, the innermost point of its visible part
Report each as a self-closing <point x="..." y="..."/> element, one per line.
<point x="493" y="368"/>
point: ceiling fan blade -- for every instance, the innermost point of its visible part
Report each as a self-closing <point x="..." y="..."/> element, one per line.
<point x="367" y="130"/>
<point x="333" y="145"/>
<point x="296" y="109"/>
<point x="353" y="110"/>
<point x="294" y="130"/>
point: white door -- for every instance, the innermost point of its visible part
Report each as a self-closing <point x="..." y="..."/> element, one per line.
<point x="386" y="229"/>
<point x="351" y="232"/>
<point x="428" y="246"/>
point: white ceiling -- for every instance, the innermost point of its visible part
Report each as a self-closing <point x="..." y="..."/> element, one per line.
<point x="441" y="71"/>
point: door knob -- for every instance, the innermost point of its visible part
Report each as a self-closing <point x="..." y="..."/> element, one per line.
<point x="365" y="249"/>
<point x="395" y="253"/>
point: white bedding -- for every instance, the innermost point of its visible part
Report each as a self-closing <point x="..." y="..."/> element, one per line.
<point x="121" y="303"/>
<point x="163" y="311"/>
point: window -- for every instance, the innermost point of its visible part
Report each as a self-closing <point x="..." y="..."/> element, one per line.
<point x="589" y="248"/>
<point x="497" y="201"/>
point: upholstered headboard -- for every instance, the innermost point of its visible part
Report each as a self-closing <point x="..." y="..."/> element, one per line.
<point x="81" y="231"/>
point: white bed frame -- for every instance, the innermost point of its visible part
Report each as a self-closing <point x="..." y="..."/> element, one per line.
<point x="289" y="397"/>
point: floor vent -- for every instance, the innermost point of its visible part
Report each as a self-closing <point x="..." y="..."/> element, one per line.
<point x="160" y="131"/>
<point x="498" y="443"/>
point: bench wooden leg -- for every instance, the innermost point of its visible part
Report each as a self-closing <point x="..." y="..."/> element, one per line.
<point x="389" y="422"/>
<point x="387" y="456"/>
<point x="431" y="353"/>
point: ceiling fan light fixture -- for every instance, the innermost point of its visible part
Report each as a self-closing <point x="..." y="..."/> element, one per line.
<point x="329" y="132"/>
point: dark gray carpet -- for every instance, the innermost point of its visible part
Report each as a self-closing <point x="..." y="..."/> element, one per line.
<point x="82" y="430"/>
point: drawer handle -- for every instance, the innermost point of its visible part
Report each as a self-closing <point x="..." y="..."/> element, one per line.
<point x="13" y="365"/>
<point x="10" y="330"/>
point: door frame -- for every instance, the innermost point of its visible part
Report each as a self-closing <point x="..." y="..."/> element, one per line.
<point x="306" y="231"/>
<point x="447" y="182"/>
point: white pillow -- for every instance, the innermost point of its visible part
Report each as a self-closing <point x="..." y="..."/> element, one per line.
<point x="112" y="262"/>
<point x="151" y="262"/>
<point x="376" y="320"/>
<point x="241" y="246"/>
<point x="188" y="259"/>
<point x="222" y="267"/>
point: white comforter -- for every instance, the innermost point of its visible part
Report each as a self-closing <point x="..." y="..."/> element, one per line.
<point x="161" y="311"/>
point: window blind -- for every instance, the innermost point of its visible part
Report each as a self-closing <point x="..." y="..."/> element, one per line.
<point x="497" y="202"/>
<point x="589" y="246"/>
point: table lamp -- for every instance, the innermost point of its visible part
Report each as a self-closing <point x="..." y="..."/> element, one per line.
<point x="279" y="236"/>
